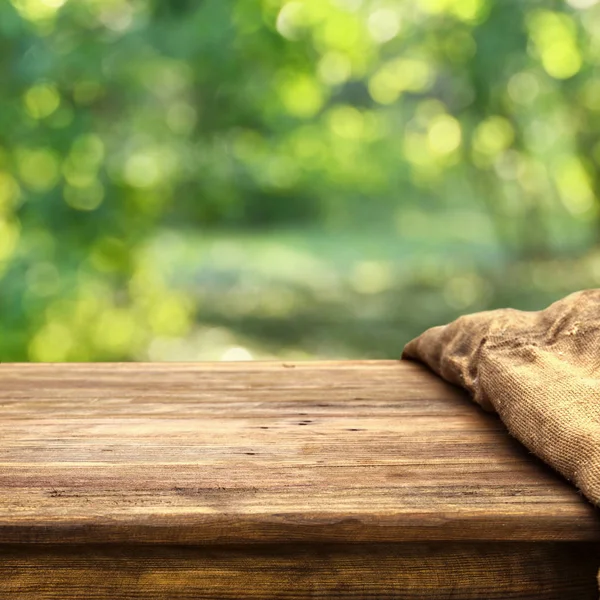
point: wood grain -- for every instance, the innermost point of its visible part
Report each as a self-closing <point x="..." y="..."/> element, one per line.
<point x="457" y="571"/>
<point x="360" y="452"/>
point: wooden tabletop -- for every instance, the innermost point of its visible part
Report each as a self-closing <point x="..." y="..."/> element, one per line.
<point x="265" y="452"/>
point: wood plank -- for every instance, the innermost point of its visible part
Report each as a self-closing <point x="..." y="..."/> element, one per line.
<point x="501" y="571"/>
<point x="252" y="453"/>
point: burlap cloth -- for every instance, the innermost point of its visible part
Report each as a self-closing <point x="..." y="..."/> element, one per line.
<point x="540" y="371"/>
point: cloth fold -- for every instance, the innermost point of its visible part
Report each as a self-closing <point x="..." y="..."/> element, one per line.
<point x="540" y="371"/>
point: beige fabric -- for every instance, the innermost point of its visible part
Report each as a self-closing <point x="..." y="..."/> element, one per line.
<point x="540" y="371"/>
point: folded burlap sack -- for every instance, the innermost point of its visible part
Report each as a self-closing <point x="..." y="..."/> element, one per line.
<point x="540" y="371"/>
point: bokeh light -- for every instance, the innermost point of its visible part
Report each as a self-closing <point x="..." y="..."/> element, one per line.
<point x="289" y="178"/>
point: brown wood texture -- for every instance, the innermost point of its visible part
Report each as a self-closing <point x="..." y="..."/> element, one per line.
<point x="265" y="453"/>
<point x="457" y="571"/>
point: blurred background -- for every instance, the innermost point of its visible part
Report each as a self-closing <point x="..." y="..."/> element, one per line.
<point x="237" y="179"/>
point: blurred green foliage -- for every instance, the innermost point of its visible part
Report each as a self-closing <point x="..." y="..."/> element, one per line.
<point x="205" y="179"/>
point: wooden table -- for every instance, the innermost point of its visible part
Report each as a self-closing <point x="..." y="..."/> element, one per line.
<point x="275" y="480"/>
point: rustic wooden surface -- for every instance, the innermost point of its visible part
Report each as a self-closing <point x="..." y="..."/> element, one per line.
<point x="415" y="571"/>
<point x="265" y="453"/>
